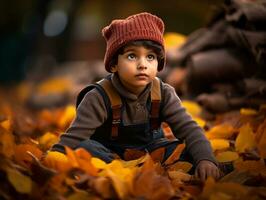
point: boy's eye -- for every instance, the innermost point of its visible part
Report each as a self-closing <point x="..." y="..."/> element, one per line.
<point x="151" y="57"/>
<point x="131" y="56"/>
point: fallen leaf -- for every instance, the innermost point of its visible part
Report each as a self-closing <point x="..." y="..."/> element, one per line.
<point x="245" y="140"/>
<point x="57" y="161"/>
<point x="175" y="155"/>
<point x="222" y="131"/>
<point x="148" y="185"/>
<point x="219" y="144"/>
<point x="227" y="156"/>
<point x="180" y="165"/>
<point x="47" y="140"/>
<point x="21" y="155"/>
<point x="22" y="184"/>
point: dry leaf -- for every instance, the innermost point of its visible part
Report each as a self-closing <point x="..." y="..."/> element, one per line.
<point x="57" y="161"/>
<point x="227" y="156"/>
<point x="222" y="131"/>
<point x="67" y="117"/>
<point x="179" y="176"/>
<point x="175" y="155"/>
<point x="245" y="140"/>
<point x="253" y="166"/>
<point x="98" y="163"/>
<point x="148" y="185"/>
<point x="22" y="184"/>
<point x="47" y="140"/>
<point x="219" y="144"/>
<point x="180" y="165"/>
<point x="158" y="154"/>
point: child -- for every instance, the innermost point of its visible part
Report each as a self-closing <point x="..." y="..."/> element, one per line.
<point x="125" y="110"/>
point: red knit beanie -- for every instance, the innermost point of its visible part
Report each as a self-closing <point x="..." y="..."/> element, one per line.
<point x="142" y="26"/>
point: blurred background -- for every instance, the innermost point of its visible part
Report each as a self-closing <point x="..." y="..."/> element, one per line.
<point x="41" y="36"/>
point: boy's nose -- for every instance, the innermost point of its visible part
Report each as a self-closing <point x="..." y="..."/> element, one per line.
<point x="142" y="64"/>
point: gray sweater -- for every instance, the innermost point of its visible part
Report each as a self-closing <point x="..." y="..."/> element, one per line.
<point x="92" y="113"/>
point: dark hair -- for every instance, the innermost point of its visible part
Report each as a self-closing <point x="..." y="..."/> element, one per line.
<point x="157" y="48"/>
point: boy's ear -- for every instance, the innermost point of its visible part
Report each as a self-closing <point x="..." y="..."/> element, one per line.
<point x="113" y="69"/>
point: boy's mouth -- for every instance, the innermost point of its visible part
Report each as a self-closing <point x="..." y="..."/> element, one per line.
<point x="142" y="75"/>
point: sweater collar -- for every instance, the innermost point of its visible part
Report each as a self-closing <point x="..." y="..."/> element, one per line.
<point x="125" y="93"/>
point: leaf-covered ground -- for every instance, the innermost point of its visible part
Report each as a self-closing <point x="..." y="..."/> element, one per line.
<point x="28" y="171"/>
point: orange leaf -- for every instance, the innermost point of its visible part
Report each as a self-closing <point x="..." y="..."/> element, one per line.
<point x="148" y="185"/>
<point x="21" y="154"/>
<point x="175" y="155"/>
<point x="71" y="157"/>
<point x="83" y="158"/>
<point x="158" y="154"/>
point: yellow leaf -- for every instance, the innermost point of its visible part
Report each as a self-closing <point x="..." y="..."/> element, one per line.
<point x="227" y="156"/>
<point x="219" y="144"/>
<point x="192" y="108"/>
<point x="222" y="131"/>
<point x="47" y="140"/>
<point x="122" y="178"/>
<point x="98" y="163"/>
<point x="248" y="111"/>
<point x="67" y="116"/>
<point x="200" y="121"/>
<point x="22" y="184"/>
<point x="55" y="85"/>
<point x="245" y="139"/>
<point x="57" y="161"/>
<point x="173" y="40"/>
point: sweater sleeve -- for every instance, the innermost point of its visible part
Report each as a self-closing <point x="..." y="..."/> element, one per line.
<point x="91" y="113"/>
<point x="184" y="127"/>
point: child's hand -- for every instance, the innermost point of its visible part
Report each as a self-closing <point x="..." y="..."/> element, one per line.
<point x="205" y="169"/>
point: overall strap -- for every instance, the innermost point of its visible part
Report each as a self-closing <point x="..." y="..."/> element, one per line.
<point x="116" y="105"/>
<point x="155" y="103"/>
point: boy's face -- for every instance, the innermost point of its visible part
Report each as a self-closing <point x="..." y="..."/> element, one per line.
<point x="136" y="67"/>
